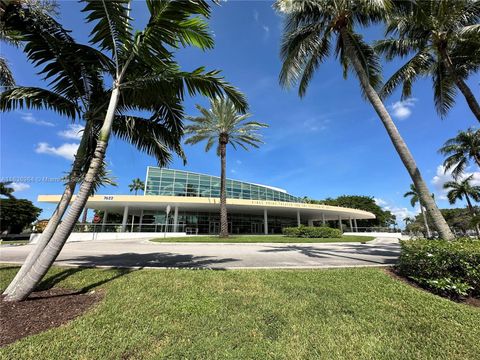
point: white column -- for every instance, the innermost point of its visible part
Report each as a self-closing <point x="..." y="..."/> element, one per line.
<point x="175" y="219"/>
<point x="133" y="222"/>
<point x="340" y="222"/>
<point x="125" y="218"/>
<point x="265" y="222"/>
<point x="355" y="223"/>
<point x="298" y="219"/>
<point x="141" y="221"/>
<point x="323" y="219"/>
<point x="104" y="220"/>
<point x="350" y="222"/>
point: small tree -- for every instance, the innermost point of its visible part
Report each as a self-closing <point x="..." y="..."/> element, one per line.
<point x="414" y="199"/>
<point x="6" y="189"/>
<point x="136" y="185"/>
<point x="460" y="189"/>
<point x="460" y="150"/>
<point x="222" y="125"/>
<point x="16" y="214"/>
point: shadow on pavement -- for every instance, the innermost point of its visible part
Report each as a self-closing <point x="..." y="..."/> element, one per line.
<point x="161" y="260"/>
<point x="386" y="254"/>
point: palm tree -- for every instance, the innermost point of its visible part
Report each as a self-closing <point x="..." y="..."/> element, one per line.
<point x="6" y="189"/>
<point x="222" y="125"/>
<point x="460" y="150"/>
<point x="83" y="94"/>
<point x="136" y="185"/>
<point x="444" y="36"/>
<point x="414" y="199"/>
<point x="310" y="29"/>
<point x="463" y="188"/>
<point x="143" y="64"/>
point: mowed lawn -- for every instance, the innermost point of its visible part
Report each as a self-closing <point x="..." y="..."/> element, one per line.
<point x="357" y="313"/>
<point x="263" y="239"/>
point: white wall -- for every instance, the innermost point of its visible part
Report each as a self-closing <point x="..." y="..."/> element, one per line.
<point x="88" y="236"/>
<point x="377" y="234"/>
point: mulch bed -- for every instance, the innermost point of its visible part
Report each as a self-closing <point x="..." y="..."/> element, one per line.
<point x="471" y="301"/>
<point x="43" y="310"/>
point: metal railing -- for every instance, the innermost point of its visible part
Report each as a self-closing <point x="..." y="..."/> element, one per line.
<point x="133" y="227"/>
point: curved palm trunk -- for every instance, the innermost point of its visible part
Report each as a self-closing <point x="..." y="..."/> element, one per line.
<point x="55" y="218"/>
<point x="223" y="192"/>
<point x="427" y="228"/>
<point x="462" y="86"/>
<point x="472" y="212"/>
<point x="53" y="248"/>
<point x="398" y="142"/>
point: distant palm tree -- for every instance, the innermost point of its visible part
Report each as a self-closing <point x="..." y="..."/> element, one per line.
<point x="444" y="37"/>
<point x="314" y="30"/>
<point x="136" y="185"/>
<point x="460" y="189"/>
<point x="413" y="193"/>
<point x="222" y="125"/>
<point x="6" y="189"/>
<point x="460" y="150"/>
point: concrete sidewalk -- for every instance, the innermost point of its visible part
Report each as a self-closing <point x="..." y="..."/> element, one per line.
<point x="143" y="253"/>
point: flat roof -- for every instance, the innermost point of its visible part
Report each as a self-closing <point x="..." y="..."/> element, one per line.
<point x="116" y="203"/>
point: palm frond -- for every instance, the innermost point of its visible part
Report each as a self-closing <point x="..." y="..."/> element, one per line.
<point x="37" y="98"/>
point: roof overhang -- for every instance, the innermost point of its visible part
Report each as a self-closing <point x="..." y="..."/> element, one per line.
<point x="135" y="203"/>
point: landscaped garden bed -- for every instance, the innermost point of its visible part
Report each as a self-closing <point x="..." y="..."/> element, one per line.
<point x="446" y="268"/>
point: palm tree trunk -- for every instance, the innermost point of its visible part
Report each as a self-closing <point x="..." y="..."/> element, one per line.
<point x="56" y="216"/>
<point x="427" y="228"/>
<point x="467" y="93"/>
<point x="398" y="142"/>
<point x="472" y="212"/>
<point x="223" y="192"/>
<point x="43" y="263"/>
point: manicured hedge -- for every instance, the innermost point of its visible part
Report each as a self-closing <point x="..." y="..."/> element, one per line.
<point x="312" y="232"/>
<point x="449" y="268"/>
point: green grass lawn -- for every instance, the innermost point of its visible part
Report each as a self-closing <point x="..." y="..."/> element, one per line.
<point x="263" y="239"/>
<point x="13" y="242"/>
<point x="357" y="313"/>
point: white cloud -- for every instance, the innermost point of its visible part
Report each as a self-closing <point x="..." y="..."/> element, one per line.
<point x="29" y="118"/>
<point x="442" y="177"/>
<point x="380" y="202"/>
<point x="400" y="212"/>
<point x="403" y="109"/>
<point x="74" y="132"/>
<point x="255" y="15"/>
<point x="19" y="186"/>
<point x="239" y="162"/>
<point x="67" y="150"/>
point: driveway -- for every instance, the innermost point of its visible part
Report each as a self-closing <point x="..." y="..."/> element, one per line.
<point x="142" y="253"/>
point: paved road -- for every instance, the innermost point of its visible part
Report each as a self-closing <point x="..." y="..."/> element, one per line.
<point x="142" y="253"/>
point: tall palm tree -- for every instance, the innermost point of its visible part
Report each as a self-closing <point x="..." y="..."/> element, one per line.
<point x="82" y="95"/>
<point x="414" y="199"/>
<point x="460" y="189"/>
<point x="460" y="150"/>
<point x="143" y="63"/>
<point x="444" y="37"/>
<point x="136" y="185"/>
<point x="310" y="29"/>
<point x="222" y="125"/>
<point x="6" y="190"/>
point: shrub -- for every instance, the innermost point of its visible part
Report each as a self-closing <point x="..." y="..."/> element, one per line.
<point x="312" y="232"/>
<point x="449" y="268"/>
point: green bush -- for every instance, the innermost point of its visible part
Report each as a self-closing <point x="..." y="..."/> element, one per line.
<point x="449" y="268"/>
<point x="312" y="232"/>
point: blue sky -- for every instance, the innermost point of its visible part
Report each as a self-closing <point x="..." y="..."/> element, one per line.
<point x="327" y="144"/>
